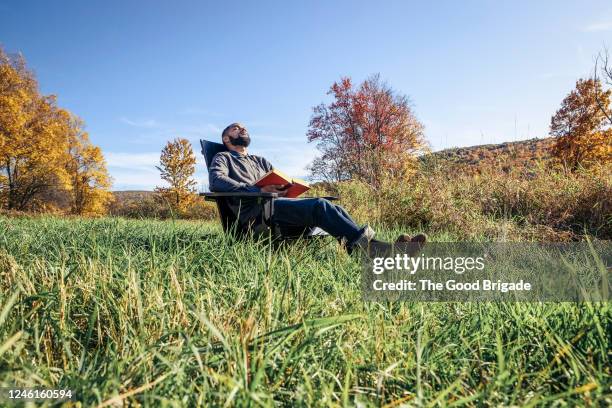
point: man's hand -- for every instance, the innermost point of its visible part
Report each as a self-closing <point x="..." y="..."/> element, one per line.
<point x="275" y="188"/>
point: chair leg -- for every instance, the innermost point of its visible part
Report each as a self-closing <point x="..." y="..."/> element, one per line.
<point x="273" y="226"/>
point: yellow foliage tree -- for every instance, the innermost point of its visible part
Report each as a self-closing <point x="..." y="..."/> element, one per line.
<point x="89" y="179"/>
<point x="32" y="137"/>
<point x="177" y="166"/>
<point x="43" y="150"/>
<point x="580" y="126"/>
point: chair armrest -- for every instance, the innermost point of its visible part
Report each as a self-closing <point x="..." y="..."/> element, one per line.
<point x="214" y="196"/>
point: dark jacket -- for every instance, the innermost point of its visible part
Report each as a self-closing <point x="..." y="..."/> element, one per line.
<point x="233" y="172"/>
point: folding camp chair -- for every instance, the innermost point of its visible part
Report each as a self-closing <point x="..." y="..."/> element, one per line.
<point x="265" y="223"/>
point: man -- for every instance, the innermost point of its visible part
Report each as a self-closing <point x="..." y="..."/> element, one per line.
<point x="237" y="171"/>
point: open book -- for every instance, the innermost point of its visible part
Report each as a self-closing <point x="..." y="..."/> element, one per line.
<point x="294" y="186"/>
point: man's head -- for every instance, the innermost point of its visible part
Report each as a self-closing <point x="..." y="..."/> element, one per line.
<point x="235" y="137"/>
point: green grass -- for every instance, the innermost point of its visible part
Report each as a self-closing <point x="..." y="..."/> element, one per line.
<point x="176" y="313"/>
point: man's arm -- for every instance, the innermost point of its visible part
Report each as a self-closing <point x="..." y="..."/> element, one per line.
<point x="219" y="181"/>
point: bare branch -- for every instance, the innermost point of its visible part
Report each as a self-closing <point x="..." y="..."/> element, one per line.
<point x="606" y="70"/>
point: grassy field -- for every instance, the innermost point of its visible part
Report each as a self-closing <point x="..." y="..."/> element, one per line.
<point x="171" y="313"/>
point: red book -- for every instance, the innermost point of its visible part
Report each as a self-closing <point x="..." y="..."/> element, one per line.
<point x="293" y="186"/>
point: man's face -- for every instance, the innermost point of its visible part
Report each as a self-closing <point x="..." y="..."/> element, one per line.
<point x="238" y="135"/>
<point x="237" y="130"/>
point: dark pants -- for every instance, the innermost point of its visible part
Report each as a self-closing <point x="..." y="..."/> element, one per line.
<point x="317" y="212"/>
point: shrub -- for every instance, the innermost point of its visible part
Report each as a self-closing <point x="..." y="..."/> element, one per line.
<point x="543" y="203"/>
<point x="146" y="204"/>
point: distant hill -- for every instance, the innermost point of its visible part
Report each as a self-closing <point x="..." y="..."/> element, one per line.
<point x="132" y="194"/>
<point x="521" y="154"/>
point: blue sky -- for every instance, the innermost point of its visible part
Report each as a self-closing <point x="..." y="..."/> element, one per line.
<point x="141" y="73"/>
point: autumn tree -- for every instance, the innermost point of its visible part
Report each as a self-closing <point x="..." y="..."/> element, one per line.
<point x="86" y="168"/>
<point x="44" y="154"/>
<point x="32" y="137"/>
<point x="583" y="136"/>
<point x="177" y="166"/>
<point x="368" y="133"/>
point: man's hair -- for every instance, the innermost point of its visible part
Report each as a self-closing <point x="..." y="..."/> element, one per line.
<point x="227" y="129"/>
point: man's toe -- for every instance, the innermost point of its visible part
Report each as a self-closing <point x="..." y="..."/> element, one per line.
<point x="403" y="238"/>
<point x="420" y="237"/>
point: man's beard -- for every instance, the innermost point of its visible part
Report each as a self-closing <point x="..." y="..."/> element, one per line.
<point x="242" y="140"/>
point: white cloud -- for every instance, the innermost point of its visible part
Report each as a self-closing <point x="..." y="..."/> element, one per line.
<point x="146" y="123"/>
<point x="133" y="171"/>
<point x="137" y="171"/>
<point x="135" y="180"/>
<point x="201" y="130"/>
<point x="599" y="26"/>
<point x="291" y="160"/>
<point x="154" y="132"/>
<point x="141" y="161"/>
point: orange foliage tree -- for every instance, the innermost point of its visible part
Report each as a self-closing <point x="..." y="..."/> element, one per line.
<point x="177" y="166"/>
<point x="583" y="138"/>
<point x="35" y="140"/>
<point x="366" y="133"/>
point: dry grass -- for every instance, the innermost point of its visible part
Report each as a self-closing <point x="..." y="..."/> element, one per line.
<point x="541" y="204"/>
